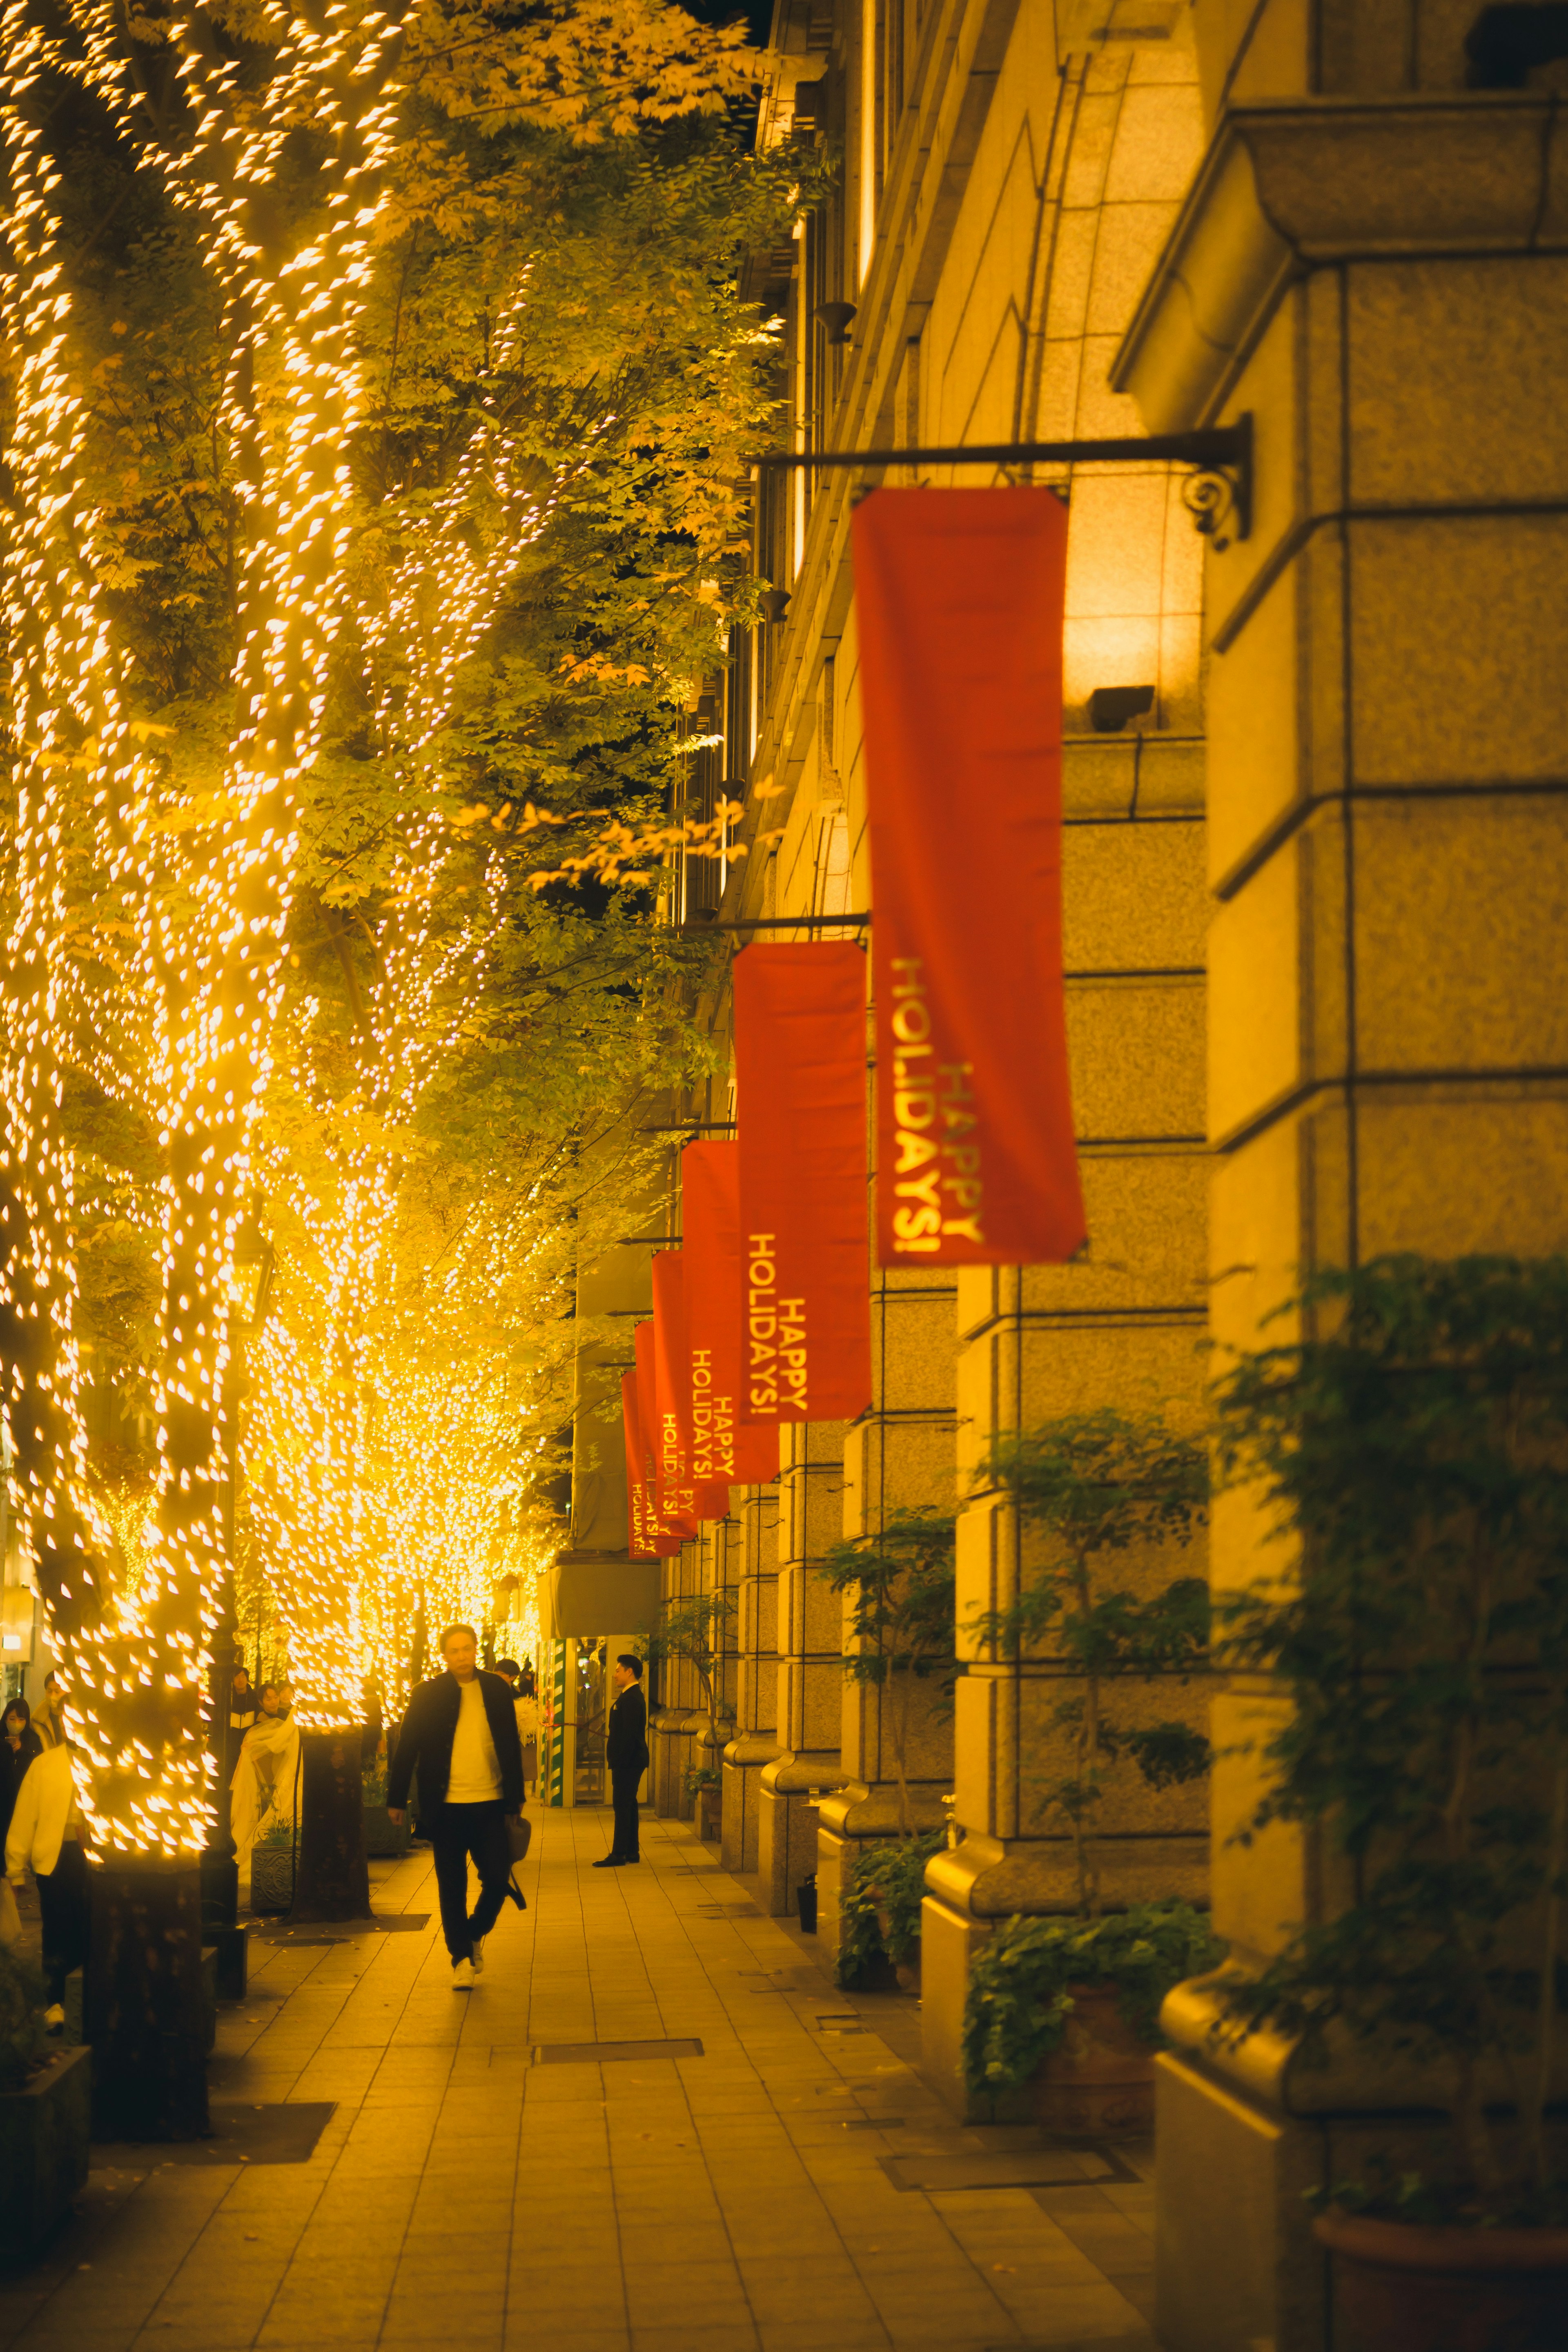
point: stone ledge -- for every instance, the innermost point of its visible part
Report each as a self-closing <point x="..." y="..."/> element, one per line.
<point x="1302" y="184"/>
<point x="1353" y="2077"/>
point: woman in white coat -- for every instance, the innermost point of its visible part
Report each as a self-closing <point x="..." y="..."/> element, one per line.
<point x="263" y="1792"/>
<point x="47" y="1834"/>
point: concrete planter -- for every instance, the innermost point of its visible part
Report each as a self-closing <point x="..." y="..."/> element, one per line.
<point x="45" y="2130"/>
<point x="710" y="1815"/>
<point x="385" y="1838"/>
<point x="271" y="1880"/>
<point x="1099" y="2083"/>
<point x="1401" y="2288"/>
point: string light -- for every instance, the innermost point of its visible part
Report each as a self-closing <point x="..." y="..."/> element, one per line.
<point x="138" y="1653"/>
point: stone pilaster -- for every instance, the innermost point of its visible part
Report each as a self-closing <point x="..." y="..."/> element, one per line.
<point x="810" y="1670"/>
<point x="756" y="1676"/>
<point x="1122" y="1325"/>
<point x="900" y="1454"/>
<point x="1380" y="281"/>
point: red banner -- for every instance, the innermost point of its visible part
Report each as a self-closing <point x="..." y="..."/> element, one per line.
<point x="666" y="1533"/>
<point x="639" y="1502"/>
<point x="683" y="1491"/>
<point x="800" y="1074"/>
<point x="723" y="1446"/>
<point x="959" y="597"/>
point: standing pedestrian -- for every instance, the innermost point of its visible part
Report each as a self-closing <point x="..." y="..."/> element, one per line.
<point x="19" y="1743"/>
<point x="461" y="1735"/>
<point x="625" y="1753"/>
<point x="47" y="1830"/>
<point x="525" y="1706"/>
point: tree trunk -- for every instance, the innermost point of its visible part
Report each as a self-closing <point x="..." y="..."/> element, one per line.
<point x="146" y="2002"/>
<point x="333" y="1881"/>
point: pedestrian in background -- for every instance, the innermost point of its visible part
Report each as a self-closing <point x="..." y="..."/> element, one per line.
<point x="625" y="1753"/>
<point x="19" y="1743"/>
<point x="460" y="1736"/>
<point x="48" y="1833"/>
<point x="526" y="1708"/>
<point x="49" y="1720"/>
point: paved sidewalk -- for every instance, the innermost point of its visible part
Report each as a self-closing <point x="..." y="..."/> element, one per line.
<point x="762" y="2197"/>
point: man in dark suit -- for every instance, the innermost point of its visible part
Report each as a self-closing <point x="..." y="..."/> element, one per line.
<point x="626" y="1752"/>
<point x="461" y="1735"/>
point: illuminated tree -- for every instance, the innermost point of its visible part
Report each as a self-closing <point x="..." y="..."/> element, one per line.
<point x="376" y="450"/>
<point x="215" y="977"/>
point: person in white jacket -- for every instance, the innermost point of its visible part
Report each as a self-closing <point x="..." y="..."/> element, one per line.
<point x="47" y="1832"/>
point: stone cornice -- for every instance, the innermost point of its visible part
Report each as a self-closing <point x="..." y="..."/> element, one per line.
<point x="1297" y="185"/>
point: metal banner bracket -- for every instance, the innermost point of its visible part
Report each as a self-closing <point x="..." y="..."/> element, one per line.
<point x="1218" y="494"/>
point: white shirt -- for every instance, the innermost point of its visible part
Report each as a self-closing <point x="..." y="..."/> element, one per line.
<point x="476" y="1774"/>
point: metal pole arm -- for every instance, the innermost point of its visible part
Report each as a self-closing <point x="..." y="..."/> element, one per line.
<point x="1220" y="455"/>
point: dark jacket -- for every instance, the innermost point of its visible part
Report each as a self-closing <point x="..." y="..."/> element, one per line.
<point x="424" y="1741"/>
<point x="11" y="1769"/>
<point x="625" y="1731"/>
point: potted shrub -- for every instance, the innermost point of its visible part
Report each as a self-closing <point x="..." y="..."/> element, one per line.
<point x="1412" y="1446"/>
<point x="46" y="2119"/>
<point x="881" y="1924"/>
<point x="1093" y="1488"/>
<point x="704" y="1783"/>
<point x="1071" y="2008"/>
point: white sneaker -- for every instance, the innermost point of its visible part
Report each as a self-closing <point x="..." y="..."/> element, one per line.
<point x="462" y="1975"/>
<point x="478" y="1962"/>
<point x="54" y="2018"/>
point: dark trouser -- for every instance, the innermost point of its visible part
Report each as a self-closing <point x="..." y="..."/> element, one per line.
<point x="624" y="1781"/>
<point x="63" y="1907"/>
<point x="456" y="1832"/>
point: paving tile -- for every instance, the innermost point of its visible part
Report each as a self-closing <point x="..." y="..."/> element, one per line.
<point x="462" y="2194"/>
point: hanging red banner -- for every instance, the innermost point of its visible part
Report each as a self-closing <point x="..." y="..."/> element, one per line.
<point x="703" y="1499"/>
<point x="639" y="1502"/>
<point x="723" y="1446"/>
<point x="959" y="599"/>
<point x="667" y="1530"/>
<point x="800" y="1075"/>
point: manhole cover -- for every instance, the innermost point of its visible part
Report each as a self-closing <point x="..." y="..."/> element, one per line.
<point x="1045" y="2167"/>
<point x="608" y="2053"/>
<point x="279" y="2133"/>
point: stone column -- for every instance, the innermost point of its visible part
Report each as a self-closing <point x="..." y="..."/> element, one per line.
<point x="1383" y="283"/>
<point x="1121" y="1326"/>
<point x="756" y="1676"/>
<point x="810" y="1672"/>
<point x="898" y="1454"/>
<point x="670" y="1724"/>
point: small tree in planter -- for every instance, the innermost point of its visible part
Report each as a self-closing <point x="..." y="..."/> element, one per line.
<point x="1415" y="1447"/>
<point x="901" y="1619"/>
<point x="694" y="1629"/>
<point x="1094" y="1485"/>
<point x="1071" y="2003"/>
<point x="704" y="1786"/>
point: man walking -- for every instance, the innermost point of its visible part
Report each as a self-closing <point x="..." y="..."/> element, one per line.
<point x="460" y="1734"/>
<point x="626" y="1752"/>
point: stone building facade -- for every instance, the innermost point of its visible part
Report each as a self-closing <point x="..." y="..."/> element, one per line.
<point x="1313" y="893"/>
